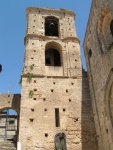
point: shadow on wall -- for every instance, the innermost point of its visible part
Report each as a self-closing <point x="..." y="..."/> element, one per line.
<point x="89" y="138"/>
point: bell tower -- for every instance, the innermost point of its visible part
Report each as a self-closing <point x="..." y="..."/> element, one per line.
<point x="50" y="114"/>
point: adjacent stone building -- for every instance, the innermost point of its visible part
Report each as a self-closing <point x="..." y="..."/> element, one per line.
<point x="98" y="47"/>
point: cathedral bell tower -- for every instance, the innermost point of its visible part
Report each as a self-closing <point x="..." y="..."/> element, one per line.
<point x="51" y="82"/>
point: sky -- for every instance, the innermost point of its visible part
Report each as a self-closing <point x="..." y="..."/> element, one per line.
<point x="12" y="32"/>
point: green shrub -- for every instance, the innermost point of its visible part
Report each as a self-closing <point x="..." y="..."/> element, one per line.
<point x="29" y="77"/>
<point x="31" y="93"/>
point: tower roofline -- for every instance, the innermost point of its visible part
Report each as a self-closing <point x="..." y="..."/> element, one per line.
<point x="61" y="10"/>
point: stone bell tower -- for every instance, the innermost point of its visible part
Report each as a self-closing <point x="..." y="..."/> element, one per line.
<point x="50" y="114"/>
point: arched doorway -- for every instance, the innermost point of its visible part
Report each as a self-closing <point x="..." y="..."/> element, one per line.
<point x="60" y="141"/>
<point x="8" y="125"/>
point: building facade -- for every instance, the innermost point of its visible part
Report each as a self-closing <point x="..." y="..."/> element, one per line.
<point x="98" y="47"/>
<point x="8" y="127"/>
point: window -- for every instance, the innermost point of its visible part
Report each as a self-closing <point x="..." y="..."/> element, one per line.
<point x="105" y="29"/>
<point x="11" y="122"/>
<point x="111" y="27"/>
<point x="52" y="57"/>
<point x="51" y="26"/>
<point x="57" y="118"/>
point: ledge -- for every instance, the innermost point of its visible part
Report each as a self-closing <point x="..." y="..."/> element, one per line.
<point x="50" y="38"/>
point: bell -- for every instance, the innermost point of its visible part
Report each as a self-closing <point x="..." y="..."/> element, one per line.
<point x="52" y="25"/>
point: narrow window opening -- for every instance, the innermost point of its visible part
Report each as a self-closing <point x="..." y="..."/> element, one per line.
<point x="45" y="109"/>
<point x="32" y="109"/>
<point x="64" y="109"/>
<point x="34" y="81"/>
<point x="66" y="90"/>
<point x="34" y="98"/>
<point x="69" y="100"/>
<point x="31" y="119"/>
<point x="46" y="134"/>
<point x="51" y="90"/>
<point x="52" y="57"/>
<point x="44" y="99"/>
<point x="51" y="26"/>
<point x="35" y="89"/>
<point x="111" y="27"/>
<point x="57" y="118"/>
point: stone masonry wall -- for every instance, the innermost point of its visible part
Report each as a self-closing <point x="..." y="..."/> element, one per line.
<point x="99" y="59"/>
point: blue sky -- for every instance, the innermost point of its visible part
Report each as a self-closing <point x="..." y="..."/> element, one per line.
<point x="12" y="32"/>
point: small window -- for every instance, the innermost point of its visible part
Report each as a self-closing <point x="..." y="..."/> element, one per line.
<point x="57" y="118"/>
<point x="51" y="26"/>
<point x="111" y="27"/>
<point x="11" y="122"/>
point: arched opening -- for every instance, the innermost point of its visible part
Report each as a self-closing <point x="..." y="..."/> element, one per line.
<point x="51" y="26"/>
<point x="60" y="141"/>
<point x="105" y="29"/>
<point x="111" y="27"/>
<point x="52" y="57"/>
<point x="8" y="125"/>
